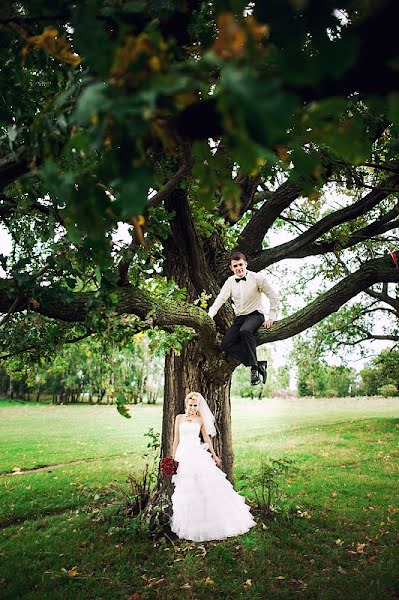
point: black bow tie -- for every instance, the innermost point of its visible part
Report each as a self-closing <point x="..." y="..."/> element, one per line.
<point x="241" y="279"/>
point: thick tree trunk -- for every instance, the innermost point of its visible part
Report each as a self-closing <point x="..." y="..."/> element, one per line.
<point x="192" y="371"/>
<point x="200" y="366"/>
<point x="196" y="370"/>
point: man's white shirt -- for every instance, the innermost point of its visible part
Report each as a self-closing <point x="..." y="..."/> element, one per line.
<point x="247" y="296"/>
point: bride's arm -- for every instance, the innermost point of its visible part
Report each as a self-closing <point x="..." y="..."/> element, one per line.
<point x="207" y="440"/>
<point x="176" y="436"/>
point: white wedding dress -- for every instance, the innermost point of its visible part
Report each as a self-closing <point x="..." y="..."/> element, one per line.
<point x="205" y="505"/>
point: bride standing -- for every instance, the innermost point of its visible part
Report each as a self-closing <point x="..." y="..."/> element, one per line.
<point x="205" y="505"/>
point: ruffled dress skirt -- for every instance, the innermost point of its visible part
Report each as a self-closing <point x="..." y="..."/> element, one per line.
<point x="205" y="504"/>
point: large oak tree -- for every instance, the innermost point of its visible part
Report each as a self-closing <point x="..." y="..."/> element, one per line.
<point x="204" y="127"/>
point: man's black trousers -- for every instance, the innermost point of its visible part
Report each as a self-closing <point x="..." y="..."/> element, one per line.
<point x="240" y="338"/>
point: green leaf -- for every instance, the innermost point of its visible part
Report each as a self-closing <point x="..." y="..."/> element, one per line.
<point x="135" y="6"/>
<point x="91" y="39"/>
<point x="92" y="101"/>
<point x="133" y="192"/>
<point x="256" y="104"/>
<point x="121" y="408"/>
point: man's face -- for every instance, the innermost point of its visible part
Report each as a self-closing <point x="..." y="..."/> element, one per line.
<point x="239" y="267"/>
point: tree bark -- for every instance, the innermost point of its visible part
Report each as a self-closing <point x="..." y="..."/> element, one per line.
<point x="194" y="371"/>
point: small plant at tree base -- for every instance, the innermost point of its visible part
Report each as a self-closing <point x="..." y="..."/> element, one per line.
<point x="141" y="484"/>
<point x="155" y="441"/>
<point x="266" y="484"/>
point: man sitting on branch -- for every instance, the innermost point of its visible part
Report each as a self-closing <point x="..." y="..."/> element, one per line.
<point x="246" y="290"/>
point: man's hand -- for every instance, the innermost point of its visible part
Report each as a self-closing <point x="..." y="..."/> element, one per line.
<point x="268" y="324"/>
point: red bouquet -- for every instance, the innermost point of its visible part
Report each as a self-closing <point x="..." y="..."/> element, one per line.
<point x="168" y="466"/>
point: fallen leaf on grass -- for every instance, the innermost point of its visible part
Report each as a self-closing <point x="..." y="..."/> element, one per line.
<point x="339" y="542"/>
<point x="203" y="551"/>
<point x="186" y="586"/>
<point x="71" y="572"/>
<point x="152" y="582"/>
<point x="299" y="582"/>
<point x="209" y="581"/>
<point x="248" y="583"/>
<point x="334" y="495"/>
<point x="280" y="577"/>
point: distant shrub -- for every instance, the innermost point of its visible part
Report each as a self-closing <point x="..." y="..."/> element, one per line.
<point x="388" y="389"/>
<point x="250" y="391"/>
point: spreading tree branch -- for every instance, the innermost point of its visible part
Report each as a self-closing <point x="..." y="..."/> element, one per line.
<point x="374" y="271"/>
<point x="250" y="240"/>
<point x="74" y="307"/>
<point x="303" y="245"/>
<point x="186" y="246"/>
<point x="13" y="166"/>
<point x="174" y="182"/>
<point x="385" y="297"/>
<point x="167" y="314"/>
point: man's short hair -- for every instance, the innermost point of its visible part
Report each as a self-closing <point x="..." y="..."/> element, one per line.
<point x="237" y="256"/>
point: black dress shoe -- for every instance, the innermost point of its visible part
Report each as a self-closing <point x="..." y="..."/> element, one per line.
<point x="262" y="368"/>
<point x="254" y="376"/>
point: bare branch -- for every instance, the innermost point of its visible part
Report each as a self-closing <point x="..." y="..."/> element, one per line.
<point x="384" y="297"/>
<point x="173" y="183"/>
<point x="248" y="198"/>
<point x="13" y="166"/>
<point x="10" y="311"/>
<point x="31" y="347"/>
<point x="367" y="338"/>
<point x="383" y="167"/>
<point x="250" y="240"/>
<point x="185" y="245"/>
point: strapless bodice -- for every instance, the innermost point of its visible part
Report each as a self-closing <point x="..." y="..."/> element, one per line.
<point x="189" y="431"/>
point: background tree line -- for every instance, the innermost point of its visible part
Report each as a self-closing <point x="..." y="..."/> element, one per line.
<point x="96" y="372"/>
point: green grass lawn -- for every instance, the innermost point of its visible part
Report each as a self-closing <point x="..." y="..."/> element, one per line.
<point x="62" y="536"/>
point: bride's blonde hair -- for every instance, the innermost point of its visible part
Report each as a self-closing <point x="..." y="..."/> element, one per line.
<point x="203" y="411"/>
